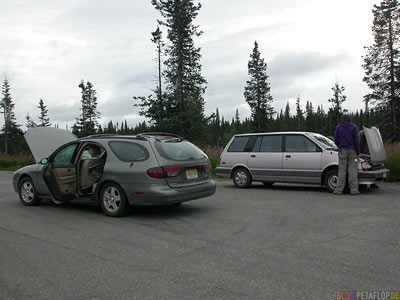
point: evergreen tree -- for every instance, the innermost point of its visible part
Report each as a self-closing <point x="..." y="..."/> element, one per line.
<point x="299" y="115"/>
<point x="382" y="65"/>
<point x="88" y="122"/>
<point x="183" y="101"/>
<point x="237" y="122"/>
<point x="11" y="130"/>
<point x="29" y="121"/>
<point x="44" y="120"/>
<point x="257" y="91"/>
<point x="336" y="111"/>
<point x="286" y="118"/>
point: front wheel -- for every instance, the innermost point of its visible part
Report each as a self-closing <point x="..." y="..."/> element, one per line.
<point x="112" y="200"/>
<point x="331" y="180"/>
<point x="241" y="178"/>
<point x="27" y="192"/>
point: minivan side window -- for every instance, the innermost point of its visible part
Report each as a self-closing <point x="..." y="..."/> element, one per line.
<point x="299" y="143"/>
<point x="238" y="144"/>
<point x="271" y="143"/>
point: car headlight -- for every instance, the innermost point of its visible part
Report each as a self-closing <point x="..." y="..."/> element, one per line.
<point x="365" y="165"/>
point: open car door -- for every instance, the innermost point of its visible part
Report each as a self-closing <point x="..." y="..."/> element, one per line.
<point x="60" y="173"/>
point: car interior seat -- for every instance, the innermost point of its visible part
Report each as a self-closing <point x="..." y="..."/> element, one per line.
<point x="91" y="169"/>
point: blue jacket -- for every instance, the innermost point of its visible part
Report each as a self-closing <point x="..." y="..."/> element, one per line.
<point x="346" y="137"/>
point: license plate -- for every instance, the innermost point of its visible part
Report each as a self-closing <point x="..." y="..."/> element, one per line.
<point x="191" y="174"/>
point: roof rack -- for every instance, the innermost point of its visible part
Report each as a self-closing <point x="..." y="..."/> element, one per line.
<point x="160" y="134"/>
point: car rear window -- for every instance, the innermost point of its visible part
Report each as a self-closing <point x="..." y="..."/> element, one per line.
<point x="128" y="152"/>
<point x="238" y="144"/>
<point x="178" y="149"/>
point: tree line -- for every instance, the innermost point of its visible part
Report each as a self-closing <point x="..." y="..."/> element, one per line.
<point x="176" y="103"/>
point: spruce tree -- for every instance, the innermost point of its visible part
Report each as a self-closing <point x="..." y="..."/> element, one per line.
<point x="336" y="111"/>
<point x="11" y="129"/>
<point x="183" y="101"/>
<point x="88" y="121"/>
<point x="257" y="91"/>
<point x="44" y="120"/>
<point x="382" y="65"/>
<point x="29" y="121"/>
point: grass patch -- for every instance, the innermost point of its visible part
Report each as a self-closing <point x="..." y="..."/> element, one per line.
<point x="213" y="154"/>
<point x="12" y="163"/>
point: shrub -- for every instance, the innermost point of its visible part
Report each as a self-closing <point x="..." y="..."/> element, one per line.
<point x="213" y="154"/>
<point x="392" y="162"/>
<point x="12" y="163"/>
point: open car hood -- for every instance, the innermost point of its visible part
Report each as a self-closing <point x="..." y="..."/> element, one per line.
<point x="375" y="145"/>
<point x="44" y="140"/>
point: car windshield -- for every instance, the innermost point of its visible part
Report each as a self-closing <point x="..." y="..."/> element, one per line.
<point x="178" y="149"/>
<point x="323" y="141"/>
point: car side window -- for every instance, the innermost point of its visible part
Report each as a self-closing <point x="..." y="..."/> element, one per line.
<point x="239" y="144"/>
<point x="271" y="143"/>
<point x="128" y="151"/>
<point x="65" y="155"/>
<point x="299" y="143"/>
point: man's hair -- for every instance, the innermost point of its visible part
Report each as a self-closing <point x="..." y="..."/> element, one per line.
<point x="345" y="118"/>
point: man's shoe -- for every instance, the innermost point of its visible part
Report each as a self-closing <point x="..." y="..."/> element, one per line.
<point x="355" y="193"/>
<point x="337" y="193"/>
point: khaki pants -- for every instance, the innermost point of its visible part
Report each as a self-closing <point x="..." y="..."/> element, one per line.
<point x="347" y="162"/>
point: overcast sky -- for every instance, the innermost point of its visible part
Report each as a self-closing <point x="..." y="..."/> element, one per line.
<point x="47" y="47"/>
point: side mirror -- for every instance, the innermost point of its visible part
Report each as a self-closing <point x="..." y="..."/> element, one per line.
<point x="44" y="161"/>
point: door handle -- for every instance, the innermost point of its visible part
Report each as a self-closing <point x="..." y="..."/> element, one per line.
<point x="288" y="156"/>
<point x="252" y="155"/>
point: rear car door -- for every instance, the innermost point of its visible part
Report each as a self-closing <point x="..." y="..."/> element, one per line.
<point x="265" y="160"/>
<point x="301" y="159"/>
<point x="60" y="173"/>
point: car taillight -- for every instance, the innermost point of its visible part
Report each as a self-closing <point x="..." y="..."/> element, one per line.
<point x="207" y="167"/>
<point x="172" y="172"/>
<point x="156" y="173"/>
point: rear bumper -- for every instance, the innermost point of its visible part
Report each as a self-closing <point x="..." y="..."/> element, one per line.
<point x="160" y="194"/>
<point x="372" y="177"/>
<point x="223" y="172"/>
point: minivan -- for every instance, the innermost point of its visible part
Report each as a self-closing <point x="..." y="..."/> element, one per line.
<point x="298" y="157"/>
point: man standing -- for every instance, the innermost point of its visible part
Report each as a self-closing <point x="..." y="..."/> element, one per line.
<point x="348" y="141"/>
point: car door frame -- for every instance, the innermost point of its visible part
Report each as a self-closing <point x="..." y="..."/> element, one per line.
<point x="297" y="174"/>
<point x="51" y="180"/>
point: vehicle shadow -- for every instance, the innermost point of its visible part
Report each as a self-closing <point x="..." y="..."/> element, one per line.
<point x="187" y="209"/>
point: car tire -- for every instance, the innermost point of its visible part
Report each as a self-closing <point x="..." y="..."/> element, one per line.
<point x="241" y="178"/>
<point x="27" y="192"/>
<point x="113" y="200"/>
<point x="331" y="180"/>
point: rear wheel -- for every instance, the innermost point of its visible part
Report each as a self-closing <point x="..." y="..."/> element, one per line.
<point x="331" y="180"/>
<point x="112" y="200"/>
<point x="27" y="192"/>
<point x="241" y="178"/>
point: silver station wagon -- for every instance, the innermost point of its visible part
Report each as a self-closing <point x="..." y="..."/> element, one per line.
<point x="114" y="171"/>
<point x="298" y="157"/>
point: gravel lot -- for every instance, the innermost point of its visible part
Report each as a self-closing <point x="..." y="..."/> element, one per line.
<point x="279" y="242"/>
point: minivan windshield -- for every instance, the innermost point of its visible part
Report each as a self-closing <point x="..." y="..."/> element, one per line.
<point x="178" y="149"/>
<point x="323" y="141"/>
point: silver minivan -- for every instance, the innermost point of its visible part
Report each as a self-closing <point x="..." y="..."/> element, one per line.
<point x="298" y="157"/>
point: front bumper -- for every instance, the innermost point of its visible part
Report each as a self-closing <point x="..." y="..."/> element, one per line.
<point x="372" y="177"/>
<point x="162" y="194"/>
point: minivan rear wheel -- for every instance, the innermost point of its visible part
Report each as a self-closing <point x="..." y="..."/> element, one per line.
<point x="331" y="180"/>
<point x="241" y="178"/>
